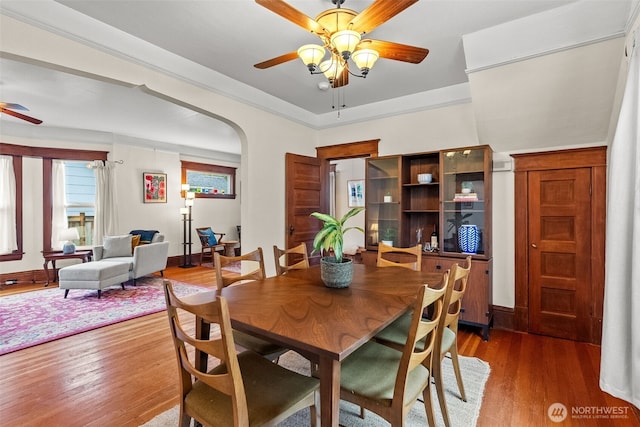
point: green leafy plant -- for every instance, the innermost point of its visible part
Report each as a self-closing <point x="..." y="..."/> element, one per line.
<point x="331" y="235"/>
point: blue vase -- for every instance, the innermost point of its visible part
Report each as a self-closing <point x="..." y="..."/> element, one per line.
<point x="468" y="238"/>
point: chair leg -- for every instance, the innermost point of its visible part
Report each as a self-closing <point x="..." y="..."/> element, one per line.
<point x="437" y="376"/>
<point x="66" y="292"/>
<point x="428" y="405"/>
<point x="99" y="293"/>
<point x="456" y="368"/>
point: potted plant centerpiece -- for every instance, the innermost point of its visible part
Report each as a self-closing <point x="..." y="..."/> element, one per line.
<point x="336" y="271"/>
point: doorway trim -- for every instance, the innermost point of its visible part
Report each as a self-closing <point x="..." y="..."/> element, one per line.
<point x="594" y="158"/>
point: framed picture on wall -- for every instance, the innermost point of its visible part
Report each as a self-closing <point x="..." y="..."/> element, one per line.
<point x="154" y="187"/>
<point x="356" y="193"/>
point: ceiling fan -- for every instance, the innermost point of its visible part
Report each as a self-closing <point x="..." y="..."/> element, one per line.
<point x="8" y="108"/>
<point x="341" y="31"/>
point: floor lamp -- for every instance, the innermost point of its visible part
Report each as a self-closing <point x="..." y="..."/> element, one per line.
<point x="186" y="218"/>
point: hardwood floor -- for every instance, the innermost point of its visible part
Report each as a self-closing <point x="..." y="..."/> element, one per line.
<point x="125" y="374"/>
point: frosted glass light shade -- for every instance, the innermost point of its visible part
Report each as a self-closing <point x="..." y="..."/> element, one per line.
<point x="364" y="59"/>
<point x="311" y="55"/>
<point x="345" y="42"/>
<point x="332" y="68"/>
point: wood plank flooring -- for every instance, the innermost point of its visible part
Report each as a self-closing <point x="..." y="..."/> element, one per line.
<point x="125" y="374"/>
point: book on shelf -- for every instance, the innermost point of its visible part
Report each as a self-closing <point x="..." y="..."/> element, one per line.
<point x="465" y="197"/>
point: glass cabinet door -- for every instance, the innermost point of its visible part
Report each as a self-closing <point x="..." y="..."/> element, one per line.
<point x="466" y="201"/>
<point x="382" y="200"/>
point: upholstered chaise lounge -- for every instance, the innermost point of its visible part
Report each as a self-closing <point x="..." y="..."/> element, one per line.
<point x="145" y="258"/>
<point x="118" y="260"/>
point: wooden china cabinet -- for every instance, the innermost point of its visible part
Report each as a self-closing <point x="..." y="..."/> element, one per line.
<point x="404" y="210"/>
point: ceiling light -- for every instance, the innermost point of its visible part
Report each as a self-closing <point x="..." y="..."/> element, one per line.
<point x="345" y="42"/>
<point x="332" y="68"/>
<point x="364" y="59"/>
<point x="311" y="55"/>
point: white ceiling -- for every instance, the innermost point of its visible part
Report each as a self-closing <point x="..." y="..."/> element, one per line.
<point x="228" y="37"/>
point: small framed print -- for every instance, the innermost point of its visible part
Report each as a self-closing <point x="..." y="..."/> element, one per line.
<point x="356" y="193"/>
<point x="155" y="187"/>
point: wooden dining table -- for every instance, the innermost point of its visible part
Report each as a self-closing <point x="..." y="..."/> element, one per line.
<point x="325" y="325"/>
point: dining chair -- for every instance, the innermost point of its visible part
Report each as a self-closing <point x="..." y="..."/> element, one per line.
<point x="295" y="258"/>
<point x="209" y="242"/>
<point x="395" y="335"/>
<point x="384" y="250"/>
<point x="243" y="389"/>
<point x="387" y="381"/>
<point x="254" y="261"/>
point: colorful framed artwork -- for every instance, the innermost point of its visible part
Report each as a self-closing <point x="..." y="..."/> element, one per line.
<point x="155" y="187"/>
<point x="356" y="193"/>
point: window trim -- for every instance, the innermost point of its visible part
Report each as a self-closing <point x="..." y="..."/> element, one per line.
<point x="203" y="167"/>
<point x="47" y="155"/>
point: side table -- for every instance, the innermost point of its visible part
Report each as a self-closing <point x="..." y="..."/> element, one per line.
<point x="229" y="246"/>
<point x="53" y="256"/>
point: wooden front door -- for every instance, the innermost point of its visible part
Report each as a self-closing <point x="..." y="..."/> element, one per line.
<point x="304" y="195"/>
<point x="559" y="253"/>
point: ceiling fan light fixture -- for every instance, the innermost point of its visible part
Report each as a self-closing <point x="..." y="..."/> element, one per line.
<point x="332" y="68"/>
<point x="345" y="42"/>
<point x="364" y="59"/>
<point x="311" y="55"/>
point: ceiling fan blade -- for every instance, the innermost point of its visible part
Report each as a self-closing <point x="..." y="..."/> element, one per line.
<point x="277" y="60"/>
<point x="13" y="106"/>
<point x="395" y="51"/>
<point x="342" y="80"/>
<point x="21" y="116"/>
<point x="379" y="12"/>
<point x="292" y="14"/>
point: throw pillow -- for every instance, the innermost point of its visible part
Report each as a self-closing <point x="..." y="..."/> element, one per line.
<point x="146" y="236"/>
<point x="212" y="237"/>
<point x="135" y="241"/>
<point x="117" y="246"/>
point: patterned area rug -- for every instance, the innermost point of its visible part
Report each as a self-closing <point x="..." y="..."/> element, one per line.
<point x="475" y="373"/>
<point x="36" y="317"/>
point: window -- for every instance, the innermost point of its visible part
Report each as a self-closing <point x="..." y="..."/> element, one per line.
<point x="17" y="172"/>
<point x="210" y="181"/>
<point x="80" y="195"/>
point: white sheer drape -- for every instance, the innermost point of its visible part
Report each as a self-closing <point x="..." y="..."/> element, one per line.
<point x="59" y="213"/>
<point x="8" y="238"/>
<point x="620" y="362"/>
<point x="105" y="221"/>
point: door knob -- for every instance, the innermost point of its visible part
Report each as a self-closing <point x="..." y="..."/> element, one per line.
<point x="291" y="230"/>
<point x="533" y="245"/>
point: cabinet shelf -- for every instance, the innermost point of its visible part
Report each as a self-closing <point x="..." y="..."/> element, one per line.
<point x="421" y="211"/>
<point x="425" y="184"/>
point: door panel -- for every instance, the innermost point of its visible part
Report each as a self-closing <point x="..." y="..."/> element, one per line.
<point x="559" y="252"/>
<point x="304" y="190"/>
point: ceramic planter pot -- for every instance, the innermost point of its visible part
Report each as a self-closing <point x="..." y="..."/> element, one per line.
<point x="336" y="274"/>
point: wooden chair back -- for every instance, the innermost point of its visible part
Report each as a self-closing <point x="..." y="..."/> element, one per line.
<point x="295" y="258"/>
<point x="453" y="300"/>
<point x="229" y="381"/>
<point x="415" y="251"/>
<point x="252" y="260"/>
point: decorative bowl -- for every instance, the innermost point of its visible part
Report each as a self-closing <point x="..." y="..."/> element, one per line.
<point x="425" y="178"/>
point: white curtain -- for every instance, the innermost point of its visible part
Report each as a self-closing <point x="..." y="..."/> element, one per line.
<point x="59" y="212"/>
<point x="620" y="351"/>
<point x="8" y="238"/>
<point x="105" y="221"/>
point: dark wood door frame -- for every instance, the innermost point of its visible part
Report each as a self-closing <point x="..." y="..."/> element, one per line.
<point x="594" y="158"/>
